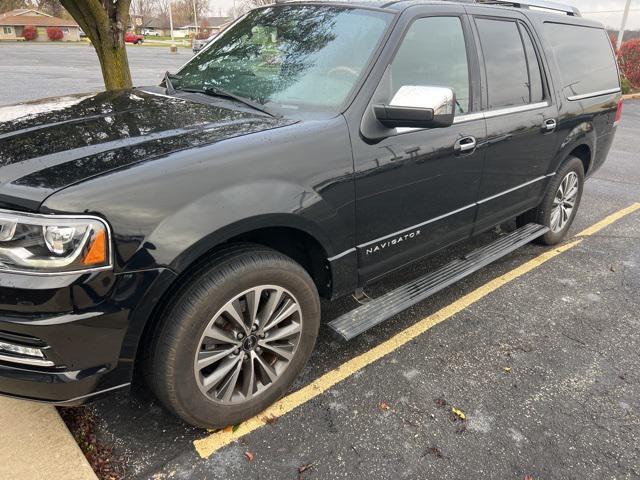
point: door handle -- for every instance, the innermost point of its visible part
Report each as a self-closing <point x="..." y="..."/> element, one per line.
<point x="465" y="144"/>
<point x="549" y="125"/>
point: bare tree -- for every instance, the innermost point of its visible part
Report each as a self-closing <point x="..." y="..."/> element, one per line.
<point x="144" y="8"/>
<point x="245" y="5"/>
<point x="105" y="23"/>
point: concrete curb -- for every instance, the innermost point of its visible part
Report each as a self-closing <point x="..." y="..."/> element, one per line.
<point x="36" y="445"/>
<point x="631" y="96"/>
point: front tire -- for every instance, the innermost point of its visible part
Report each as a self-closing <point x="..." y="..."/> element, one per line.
<point x="560" y="203"/>
<point x="235" y="338"/>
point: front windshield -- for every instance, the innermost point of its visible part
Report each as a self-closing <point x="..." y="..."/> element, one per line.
<point x="294" y="57"/>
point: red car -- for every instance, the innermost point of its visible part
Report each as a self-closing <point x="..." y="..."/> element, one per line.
<point x="131" y="37"/>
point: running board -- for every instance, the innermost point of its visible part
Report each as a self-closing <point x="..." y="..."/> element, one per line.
<point x="378" y="310"/>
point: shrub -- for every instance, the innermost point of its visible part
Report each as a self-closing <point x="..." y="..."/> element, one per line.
<point x="30" y="32"/>
<point x="629" y="57"/>
<point x="626" y="85"/>
<point x="55" y="33"/>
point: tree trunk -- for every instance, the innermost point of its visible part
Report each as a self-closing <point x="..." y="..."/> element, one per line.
<point x="115" y="66"/>
<point x="105" y="23"/>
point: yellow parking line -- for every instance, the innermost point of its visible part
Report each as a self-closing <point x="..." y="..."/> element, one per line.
<point x="210" y="444"/>
<point x="608" y="220"/>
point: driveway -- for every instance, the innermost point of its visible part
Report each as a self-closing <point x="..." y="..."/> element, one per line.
<point x="33" y="71"/>
<point x="538" y="352"/>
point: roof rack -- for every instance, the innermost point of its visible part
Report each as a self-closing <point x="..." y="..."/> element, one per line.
<point x="536" y="4"/>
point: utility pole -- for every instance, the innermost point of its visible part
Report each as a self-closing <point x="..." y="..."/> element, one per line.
<point x="195" y="16"/>
<point x="173" y="48"/>
<point x="624" y="24"/>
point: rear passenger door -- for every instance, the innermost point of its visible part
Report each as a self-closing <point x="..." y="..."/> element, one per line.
<point x="520" y="116"/>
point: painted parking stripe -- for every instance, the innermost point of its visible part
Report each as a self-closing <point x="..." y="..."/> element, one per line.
<point x="215" y="441"/>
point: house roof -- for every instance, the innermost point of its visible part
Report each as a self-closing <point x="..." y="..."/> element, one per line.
<point x="217" y="21"/>
<point x="23" y="11"/>
<point x="20" y="18"/>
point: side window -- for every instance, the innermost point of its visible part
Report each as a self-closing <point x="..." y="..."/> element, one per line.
<point x="535" y="75"/>
<point x="584" y="56"/>
<point x="511" y="80"/>
<point x="433" y="53"/>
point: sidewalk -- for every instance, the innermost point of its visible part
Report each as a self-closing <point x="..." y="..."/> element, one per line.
<point x="36" y="445"/>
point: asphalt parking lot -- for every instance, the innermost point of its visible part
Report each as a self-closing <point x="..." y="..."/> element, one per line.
<point x="539" y="351"/>
<point x="545" y="369"/>
<point x="34" y="71"/>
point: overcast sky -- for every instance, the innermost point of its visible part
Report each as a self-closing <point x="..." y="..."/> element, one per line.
<point x="608" y="12"/>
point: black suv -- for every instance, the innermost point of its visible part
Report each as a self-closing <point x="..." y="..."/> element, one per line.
<point x="187" y="231"/>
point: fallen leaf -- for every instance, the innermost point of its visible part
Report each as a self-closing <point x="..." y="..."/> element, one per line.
<point x="612" y="268"/>
<point x="235" y="427"/>
<point x="304" y="468"/>
<point x="229" y="429"/>
<point x="440" y="402"/>
<point x="459" y="413"/>
<point x="250" y="456"/>
<point x="528" y="477"/>
<point x="271" y="419"/>
<point x="435" y="451"/>
<point x="384" y="406"/>
<point x="507" y="369"/>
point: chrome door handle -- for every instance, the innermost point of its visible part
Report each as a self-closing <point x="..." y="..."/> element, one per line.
<point x="549" y="125"/>
<point x="465" y="144"/>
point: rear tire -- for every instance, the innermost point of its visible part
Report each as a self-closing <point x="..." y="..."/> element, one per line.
<point x="560" y="203"/>
<point x="234" y="307"/>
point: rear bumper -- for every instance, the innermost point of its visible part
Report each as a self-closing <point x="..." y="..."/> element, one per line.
<point x="85" y="331"/>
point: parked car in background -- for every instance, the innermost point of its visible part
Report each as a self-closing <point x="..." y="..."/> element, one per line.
<point x="134" y="38"/>
<point x="187" y="231"/>
<point x="150" y="33"/>
<point x="199" y="44"/>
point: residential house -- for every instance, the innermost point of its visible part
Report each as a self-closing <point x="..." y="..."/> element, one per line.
<point x="12" y="25"/>
<point x="208" y="25"/>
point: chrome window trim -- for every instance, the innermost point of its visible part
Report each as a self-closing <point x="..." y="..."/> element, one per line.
<point x="594" y="94"/>
<point x="418" y="225"/>
<point x="517" y="109"/>
<point x="470" y="117"/>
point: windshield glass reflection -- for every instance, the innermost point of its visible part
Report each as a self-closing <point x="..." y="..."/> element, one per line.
<point x="306" y="58"/>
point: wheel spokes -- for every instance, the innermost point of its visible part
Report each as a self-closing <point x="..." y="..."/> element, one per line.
<point x="248" y="344"/>
<point x="288" y="309"/>
<point x="208" y="358"/>
<point x="214" y="379"/>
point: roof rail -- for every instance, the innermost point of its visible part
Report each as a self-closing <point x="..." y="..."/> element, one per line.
<point x="541" y="4"/>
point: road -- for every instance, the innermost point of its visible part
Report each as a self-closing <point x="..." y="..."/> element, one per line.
<point x="542" y="359"/>
<point x="33" y="71"/>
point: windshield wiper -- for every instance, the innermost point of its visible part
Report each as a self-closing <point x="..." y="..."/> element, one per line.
<point x="168" y="84"/>
<point x="219" y="92"/>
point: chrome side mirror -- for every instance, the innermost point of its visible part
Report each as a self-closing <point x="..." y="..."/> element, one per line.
<point x="415" y="106"/>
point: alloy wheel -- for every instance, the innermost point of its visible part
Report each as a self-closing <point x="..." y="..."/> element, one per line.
<point x="248" y="344"/>
<point x="564" y="202"/>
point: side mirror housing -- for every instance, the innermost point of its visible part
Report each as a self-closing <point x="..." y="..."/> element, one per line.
<point x="418" y="107"/>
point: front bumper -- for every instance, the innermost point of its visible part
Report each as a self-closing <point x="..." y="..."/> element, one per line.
<point x="86" y="328"/>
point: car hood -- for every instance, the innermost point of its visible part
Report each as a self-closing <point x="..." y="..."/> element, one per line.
<point x="50" y="144"/>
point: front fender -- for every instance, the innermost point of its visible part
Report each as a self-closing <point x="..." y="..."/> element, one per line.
<point x="215" y="218"/>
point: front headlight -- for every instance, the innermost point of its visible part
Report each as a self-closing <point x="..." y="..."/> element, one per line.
<point x="50" y="244"/>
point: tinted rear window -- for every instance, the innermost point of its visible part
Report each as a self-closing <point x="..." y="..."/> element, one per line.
<point x="584" y="56"/>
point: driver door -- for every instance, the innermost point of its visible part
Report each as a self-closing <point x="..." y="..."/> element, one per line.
<point x="416" y="188"/>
